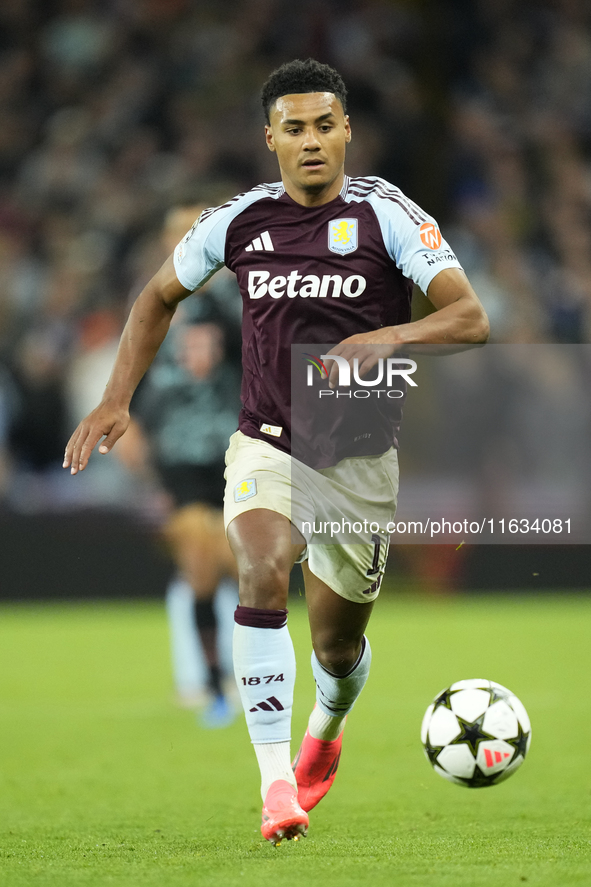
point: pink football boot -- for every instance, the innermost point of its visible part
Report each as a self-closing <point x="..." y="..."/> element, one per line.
<point x="315" y="768"/>
<point x="283" y="818"/>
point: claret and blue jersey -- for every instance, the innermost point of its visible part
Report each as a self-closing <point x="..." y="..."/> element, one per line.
<point x="311" y="274"/>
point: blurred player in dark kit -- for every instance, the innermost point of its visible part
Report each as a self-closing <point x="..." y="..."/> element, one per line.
<point x="182" y="417"/>
<point x="319" y="257"/>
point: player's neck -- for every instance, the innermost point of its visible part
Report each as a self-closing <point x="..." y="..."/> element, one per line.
<point x="312" y="197"/>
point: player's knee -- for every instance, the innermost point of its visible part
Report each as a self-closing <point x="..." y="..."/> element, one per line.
<point x="337" y="655"/>
<point x="263" y="583"/>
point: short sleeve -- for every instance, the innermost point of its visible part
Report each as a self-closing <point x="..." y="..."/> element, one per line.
<point x="200" y="253"/>
<point x="202" y="250"/>
<point x="412" y="237"/>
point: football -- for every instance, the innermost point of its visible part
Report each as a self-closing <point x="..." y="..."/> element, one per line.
<point x="476" y="733"/>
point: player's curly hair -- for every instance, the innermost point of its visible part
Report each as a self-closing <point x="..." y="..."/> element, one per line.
<point x="302" y="76"/>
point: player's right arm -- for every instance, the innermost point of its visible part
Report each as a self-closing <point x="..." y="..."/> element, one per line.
<point x="196" y="258"/>
<point x="142" y="336"/>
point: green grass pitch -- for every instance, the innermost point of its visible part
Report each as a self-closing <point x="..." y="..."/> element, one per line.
<point x="104" y="782"/>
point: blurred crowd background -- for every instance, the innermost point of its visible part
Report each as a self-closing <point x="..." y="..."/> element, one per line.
<point x="113" y="112"/>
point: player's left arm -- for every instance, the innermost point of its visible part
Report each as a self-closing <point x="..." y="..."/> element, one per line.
<point x="459" y="319"/>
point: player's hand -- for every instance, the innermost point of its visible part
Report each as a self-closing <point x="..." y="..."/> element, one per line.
<point x="106" y="421"/>
<point x="366" y="348"/>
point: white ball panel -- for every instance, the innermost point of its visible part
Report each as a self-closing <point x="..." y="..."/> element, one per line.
<point x="494" y="756"/>
<point x="471" y="684"/>
<point x="457" y="760"/>
<point x="447" y="775"/>
<point x="500" y="721"/>
<point x="443" y="726"/>
<point x="470" y="704"/>
<point x="425" y="724"/>
<point x="519" y="709"/>
<point x="513" y="766"/>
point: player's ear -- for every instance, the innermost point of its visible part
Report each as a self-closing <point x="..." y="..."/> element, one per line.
<point x="347" y="129"/>
<point x="269" y="138"/>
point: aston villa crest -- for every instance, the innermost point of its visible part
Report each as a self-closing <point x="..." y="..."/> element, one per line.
<point x="245" y="490"/>
<point x="342" y="236"/>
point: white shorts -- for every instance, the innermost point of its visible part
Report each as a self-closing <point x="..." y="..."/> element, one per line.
<point x="342" y="512"/>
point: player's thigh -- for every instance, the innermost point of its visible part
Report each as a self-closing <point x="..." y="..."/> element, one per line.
<point x="337" y="625"/>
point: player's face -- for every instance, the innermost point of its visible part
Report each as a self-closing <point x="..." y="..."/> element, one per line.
<point x="309" y="133"/>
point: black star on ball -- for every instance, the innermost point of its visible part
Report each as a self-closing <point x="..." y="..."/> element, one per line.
<point x="519" y="743"/>
<point x="496" y="694"/>
<point x="472" y="733"/>
<point x="479" y="779"/>
<point x="444" y="699"/>
<point x="432" y="752"/>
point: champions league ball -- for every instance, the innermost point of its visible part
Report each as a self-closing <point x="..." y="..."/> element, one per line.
<point x="476" y="733"/>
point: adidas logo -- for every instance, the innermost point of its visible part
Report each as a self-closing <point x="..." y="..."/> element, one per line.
<point x="263" y="242"/>
<point x="333" y="768"/>
<point x="268" y="705"/>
